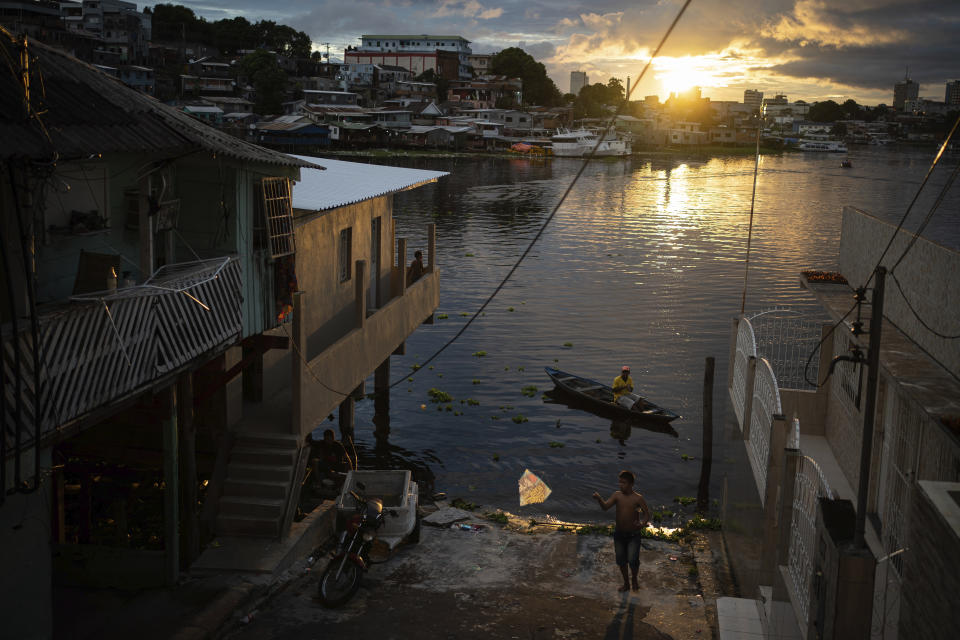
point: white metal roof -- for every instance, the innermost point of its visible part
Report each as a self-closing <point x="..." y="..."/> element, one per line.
<point x="346" y="183"/>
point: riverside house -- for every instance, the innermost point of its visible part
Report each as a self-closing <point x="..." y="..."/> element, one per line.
<point x="832" y="538"/>
<point x="150" y="267"/>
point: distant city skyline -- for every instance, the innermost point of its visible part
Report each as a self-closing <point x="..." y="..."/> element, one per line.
<point x="808" y="49"/>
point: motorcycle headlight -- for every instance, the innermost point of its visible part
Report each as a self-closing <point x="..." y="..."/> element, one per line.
<point x="367" y="536"/>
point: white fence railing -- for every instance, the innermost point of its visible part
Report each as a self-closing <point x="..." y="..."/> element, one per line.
<point x="766" y="404"/>
<point x="809" y="486"/>
<point x="100" y="347"/>
<point x="746" y="349"/>
<point x="787" y="341"/>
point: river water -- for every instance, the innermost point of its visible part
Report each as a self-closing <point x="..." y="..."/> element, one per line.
<point x="642" y="265"/>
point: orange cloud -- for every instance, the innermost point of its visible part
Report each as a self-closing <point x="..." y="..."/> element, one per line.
<point x="812" y="22"/>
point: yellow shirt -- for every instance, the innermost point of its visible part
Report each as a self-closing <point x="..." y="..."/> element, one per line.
<point x="621" y="386"/>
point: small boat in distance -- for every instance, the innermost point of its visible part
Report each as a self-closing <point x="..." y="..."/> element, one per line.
<point x="823" y="145"/>
<point x="599" y="397"/>
<point x="846" y="164"/>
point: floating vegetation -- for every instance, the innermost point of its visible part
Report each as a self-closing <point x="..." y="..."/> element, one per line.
<point x="464" y="314"/>
<point x="475" y="381"/>
<point x="685" y="457"/>
<point x="685" y="500"/>
<point x="529" y="390"/>
<point x="409" y="379"/>
<point x="415" y="366"/>
<point x="460" y="503"/>
<point x="468" y="255"/>
<point x="499" y="516"/>
<point x="510" y="309"/>
<point x="430" y="367"/>
<point x="494" y="417"/>
<point x="567" y="345"/>
<point x="479" y="354"/>
<point x="472" y="402"/>
<point x="439" y="375"/>
<point x="556" y="445"/>
<point x="496" y="457"/>
<point x="436" y="395"/>
<point x="520" y="369"/>
<point x="519" y="418"/>
<point x="449" y="407"/>
<point x="442" y="316"/>
<point x="556" y="360"/>
<point x="506" y="368"/>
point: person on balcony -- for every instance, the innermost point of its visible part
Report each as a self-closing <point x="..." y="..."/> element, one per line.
<point x="416" y="268"/>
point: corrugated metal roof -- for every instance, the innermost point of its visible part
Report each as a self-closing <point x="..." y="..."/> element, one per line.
<point x="346" y="183"/>
<point x="89" y="112"/>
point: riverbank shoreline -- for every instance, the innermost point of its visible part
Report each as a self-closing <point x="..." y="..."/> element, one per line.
<point x="701" y="152"/>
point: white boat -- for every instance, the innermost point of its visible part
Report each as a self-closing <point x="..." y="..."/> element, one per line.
<point x="579" y="143"/>
<point x="823" y="145"/>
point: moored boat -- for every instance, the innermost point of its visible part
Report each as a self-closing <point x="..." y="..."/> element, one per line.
<point x="579" y="143"/>
<point x="600" y="396"/>
<point x="823" y="145"/>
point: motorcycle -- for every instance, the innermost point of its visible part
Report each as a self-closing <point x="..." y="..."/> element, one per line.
<point x="341" y="578"/>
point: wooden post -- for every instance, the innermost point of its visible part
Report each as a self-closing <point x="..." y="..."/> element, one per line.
<point x="706" y="459"/>
<point x="298" y="374"/>
<point x="381" y="387"/>
<point x="360" y="293"/>
<point x="58" y="528"/>
<point x="171" y="493"/>
<point x="145" y="224"/>
<point x="432" y="247"/>
<point x="346" y="415"/>
<point x="402" y="263"/>
<point x="190" y="531"/>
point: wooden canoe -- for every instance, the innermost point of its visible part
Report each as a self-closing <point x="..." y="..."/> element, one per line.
<point x="600" y="397"/>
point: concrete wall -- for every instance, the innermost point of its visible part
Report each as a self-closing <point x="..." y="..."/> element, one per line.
<point x="928" y="274"/>
<point x="347" y="362"/>
<point x="844" y="421"/>
<point x="26" y="611"/>
<point x="932" y="564"/>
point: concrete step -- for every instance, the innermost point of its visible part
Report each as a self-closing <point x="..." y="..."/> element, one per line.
<point x="255" y="488"/>
<point x="264" y="455"/>
<point x="233" y="525"/>
<point x="264" y="439"/>
<point x="259" y="472"/>
<point x="252" y="507"/>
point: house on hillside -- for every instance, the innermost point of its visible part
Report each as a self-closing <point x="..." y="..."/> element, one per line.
<point x="848" y="523"/>
<point x="153" y="264"/>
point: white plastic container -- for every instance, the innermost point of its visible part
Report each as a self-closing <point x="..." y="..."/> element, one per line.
<point x="398" y="494"/>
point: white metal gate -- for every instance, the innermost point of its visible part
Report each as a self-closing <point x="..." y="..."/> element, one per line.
<point x="766" y="403"/>
<point x="809" y="486"/>
<point x="746" y="349"/>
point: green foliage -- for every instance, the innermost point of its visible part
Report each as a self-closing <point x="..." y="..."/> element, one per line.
<point x="529" y="390"/>
<point x="442" y="316"/>
<point x="685" y="500"/>
<point x="567" y="345"/>
<point x="475" y="381"/>
<point x="518" y="419"/>
<point x="460" y="503"/>
<point x="472" y="402"/>
<point x="499" y="517"/>
<point x="699" y="523"/>
<point x="556" y="445"/>
<point x="826" y="111"/>
<point x="538" y="88"/>
<point x="593" y="100"/>
<point x="267" y="78"/>
<point x="436" y="395"/>
<point x="496" y="457"/>
<point x="479" y="354"/>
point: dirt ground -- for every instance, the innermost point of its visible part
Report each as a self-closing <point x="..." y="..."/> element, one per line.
<point x="503" y="583"/>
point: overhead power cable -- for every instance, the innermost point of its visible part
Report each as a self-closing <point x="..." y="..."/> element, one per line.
<point x="556" y="207"/>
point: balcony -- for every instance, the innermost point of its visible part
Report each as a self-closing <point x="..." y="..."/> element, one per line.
<point x="100" y="348"/>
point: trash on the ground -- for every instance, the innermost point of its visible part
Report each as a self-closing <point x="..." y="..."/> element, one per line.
<point x="532" y="488"/>
<point x="311" y="560"/>
<point x="673" y="558"/>
<point x="468" y="527"/>
<point x="447" y="516"/>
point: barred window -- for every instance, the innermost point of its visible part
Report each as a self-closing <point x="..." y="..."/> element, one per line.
<point x="278" y="209"/>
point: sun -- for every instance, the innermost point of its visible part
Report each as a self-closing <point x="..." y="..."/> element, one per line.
<point x="677" y="75"/>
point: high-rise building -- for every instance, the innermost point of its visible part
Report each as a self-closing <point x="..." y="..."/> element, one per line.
<point x="578" y="80"/>
<point x="905" y="90"/>
<point x="753" y="98"/>
<point x="952" y="95"/>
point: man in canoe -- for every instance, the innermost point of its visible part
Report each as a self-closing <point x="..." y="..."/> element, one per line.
<point x="622" y="384"/>
<point x="632" y="517"/>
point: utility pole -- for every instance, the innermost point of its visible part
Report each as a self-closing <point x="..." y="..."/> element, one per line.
<point x="869" y="411"/>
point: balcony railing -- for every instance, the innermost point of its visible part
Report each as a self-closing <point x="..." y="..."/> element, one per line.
<point x="102" y="346"/>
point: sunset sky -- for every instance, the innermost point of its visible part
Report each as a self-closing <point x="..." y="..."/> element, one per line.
<point x="810" y="49"/>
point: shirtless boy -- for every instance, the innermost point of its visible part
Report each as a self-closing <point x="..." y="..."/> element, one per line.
<point x="632" y="517"/>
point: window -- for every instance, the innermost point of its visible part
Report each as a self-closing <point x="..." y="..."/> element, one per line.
<point x="277" y="208"/>
<point x="345" y="254"/>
